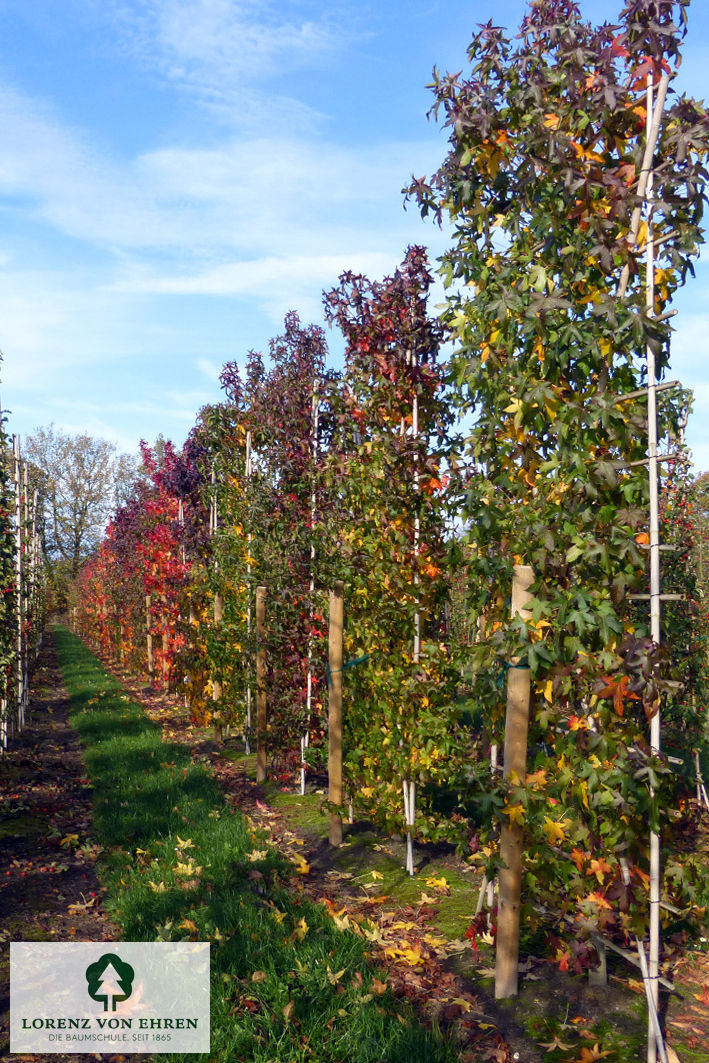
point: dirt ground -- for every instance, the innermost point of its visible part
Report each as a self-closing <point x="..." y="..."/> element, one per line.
<point x="48" y="884"/>
<point x="49" y="890"/>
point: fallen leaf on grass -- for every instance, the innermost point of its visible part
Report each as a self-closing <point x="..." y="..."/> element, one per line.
<point x="589" y="1055"/>
<point x="189" y="925"/>
<point x="440" y="884"/>
<point x="257" y="854"/>
<point x="188" y="868"/>
<point x="378" y="987"/>
<point x="426" y="899"/>
<point x="158" y="887"/>
<point x="288" y="1010"/>
<point x="549" y="1046"/>
<point x="259" y="976"/>
<point x="300" y="930"/>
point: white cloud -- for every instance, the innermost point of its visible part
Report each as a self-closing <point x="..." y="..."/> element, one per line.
<point x="243" y="196"/>
<point x="219" y="51"/>
<point x="210" y="369"/>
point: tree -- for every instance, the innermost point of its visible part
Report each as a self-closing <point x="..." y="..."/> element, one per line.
<point x="79" y="479"/>
<point x="553" y="307"/>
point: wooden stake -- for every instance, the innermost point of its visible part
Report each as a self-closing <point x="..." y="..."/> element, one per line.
<point x="165" y="648"/>
<point x="261" y="703"/>
<point x="149" y="636"/>
<point x="334" y="764"/>
<point x="510" y="876"/>
<point x="217" y="683"/>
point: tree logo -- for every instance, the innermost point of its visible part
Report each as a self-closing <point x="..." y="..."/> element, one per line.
<point x="110" y="980"/>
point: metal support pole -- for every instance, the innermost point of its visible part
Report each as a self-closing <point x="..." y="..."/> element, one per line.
<point x="655" y="603"/>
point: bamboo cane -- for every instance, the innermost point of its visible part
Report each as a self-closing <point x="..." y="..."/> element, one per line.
<point x="217" y="683"/>
<point x="25" y="593"/>
<point x="653" y="117"/>
<point x="409" y="786"/>
<point x="657" y="1038"/>
<point x="261" y="696"/>
<point x="305" y="737"/>
<point x="19" y="670"/>
<point x="702" y="797"/>
<point x="249" y="723"/>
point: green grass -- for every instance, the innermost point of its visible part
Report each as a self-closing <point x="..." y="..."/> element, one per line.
<point x="312" y="999"/>
<point x="365" y="849"/>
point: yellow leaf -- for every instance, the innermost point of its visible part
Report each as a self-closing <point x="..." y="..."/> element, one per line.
<point x="69" y="840"/>
<point x="187" y="844"/>
<point x="515" y="812"/>
<point x="334" y="978"/>
<point x="188" y="869"/>
<point x="158" y="887"/>
<point x="514" y="407"/>
<point x="301" y="864"/>
<point x="555" y="830"/>
<point x="277" y="914"/>
<point x="438" y="883"/>
<point x="257" y="854"/>
<point x="301" y="929"/>
<point x="551" y="121"/>
<point x="377" y="874"/>
<point x="547" y="691"/>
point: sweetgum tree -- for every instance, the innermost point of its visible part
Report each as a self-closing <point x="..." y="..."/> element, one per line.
<point x="271" y="523"/>
<point x="389" y="511"/>
<point x="546" y="300"/>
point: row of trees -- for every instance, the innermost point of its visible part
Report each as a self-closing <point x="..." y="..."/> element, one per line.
<point x="22" y="585"/>
<point x="303" y="476"/>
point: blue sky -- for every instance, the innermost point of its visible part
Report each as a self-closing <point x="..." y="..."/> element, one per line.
<point x="175" y="175"/>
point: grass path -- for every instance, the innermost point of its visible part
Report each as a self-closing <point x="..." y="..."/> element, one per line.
<point x="180" y="864"/>
<point x="189" y="846"/>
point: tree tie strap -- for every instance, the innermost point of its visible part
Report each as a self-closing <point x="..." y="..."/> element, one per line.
<point x="348" y="664"/>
